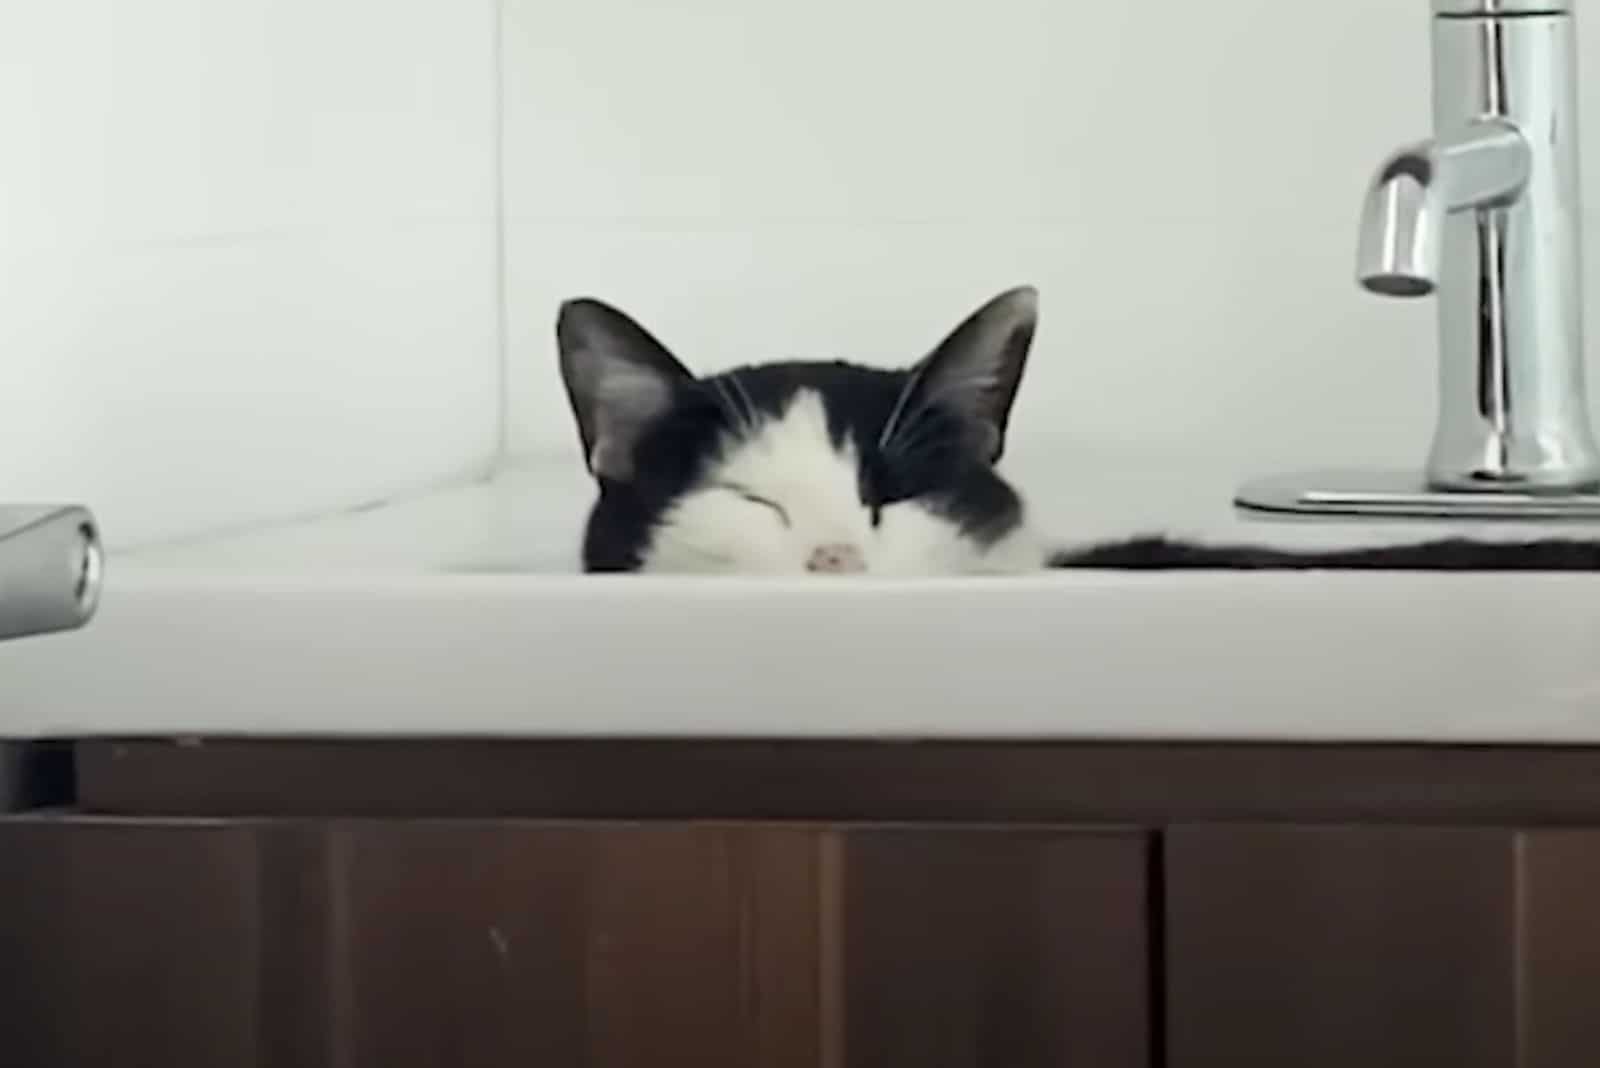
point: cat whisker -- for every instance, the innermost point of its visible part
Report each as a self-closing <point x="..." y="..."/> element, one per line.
<point x="905" y="430"/>
<point x="898" y="417"/>
<point x="913" y="424"/>
<point x="914" y="435"/>
<point x="985" y="382"/>
<point x="729" y="407"/>
<point x="903" y="419"/>
<point x="744" y="395"/>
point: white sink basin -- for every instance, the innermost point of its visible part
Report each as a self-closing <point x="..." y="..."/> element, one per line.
<point x="449" y="614"/>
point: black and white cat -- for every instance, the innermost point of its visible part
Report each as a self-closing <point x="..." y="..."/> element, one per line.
<point x="801" y="466"/>
<point x="831" y="467"/>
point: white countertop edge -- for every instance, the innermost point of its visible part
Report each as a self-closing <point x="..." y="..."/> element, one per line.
<point x="1311" y="657"/>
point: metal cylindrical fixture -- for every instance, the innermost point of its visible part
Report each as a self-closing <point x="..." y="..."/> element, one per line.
<point x="1492" y="8"/>
<point x="51" y="567"/>
<point x="1513" y="407"/>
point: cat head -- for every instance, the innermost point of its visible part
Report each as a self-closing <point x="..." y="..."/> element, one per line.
<point x="793" y="467"/>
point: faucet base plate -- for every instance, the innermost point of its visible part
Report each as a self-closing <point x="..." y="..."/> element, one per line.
<point x="1396" y="494"/>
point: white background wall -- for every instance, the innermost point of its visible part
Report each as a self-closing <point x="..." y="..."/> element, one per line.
<point x="247" y="254"/>
<point x="848" y="177"/>
<point x="248" y="248"/>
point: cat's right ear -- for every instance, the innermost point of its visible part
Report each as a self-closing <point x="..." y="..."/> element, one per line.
<point x="619" y="380"/>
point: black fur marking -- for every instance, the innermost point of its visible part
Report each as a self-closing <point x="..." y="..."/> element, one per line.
<point x="669" y="458"/>
<point x="1444" y="554"/>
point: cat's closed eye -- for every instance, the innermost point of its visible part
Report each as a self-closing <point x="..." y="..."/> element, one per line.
<point x="756" y="499"/>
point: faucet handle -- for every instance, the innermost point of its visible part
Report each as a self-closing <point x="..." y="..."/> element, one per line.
<point x="50" y="569"/>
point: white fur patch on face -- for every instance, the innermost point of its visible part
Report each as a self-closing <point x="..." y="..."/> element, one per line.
<point x="783" y="489"/>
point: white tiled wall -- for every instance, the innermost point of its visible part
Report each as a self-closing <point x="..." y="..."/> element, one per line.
<point x="248" y="248"/>
<point x="247" y="254"/>
<point x="848" y="177"/>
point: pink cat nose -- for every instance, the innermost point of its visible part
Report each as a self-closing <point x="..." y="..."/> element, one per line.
<point x="837" y="559"/>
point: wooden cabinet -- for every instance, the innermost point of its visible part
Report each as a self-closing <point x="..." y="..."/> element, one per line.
<point x="818" y="905"/>
<point x="508" y="942"/>
<point x="1400" y="946"/>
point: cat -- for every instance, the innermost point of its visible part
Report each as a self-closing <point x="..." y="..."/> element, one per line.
<point x="834" y="468"/>
<point x="796" y="467"/>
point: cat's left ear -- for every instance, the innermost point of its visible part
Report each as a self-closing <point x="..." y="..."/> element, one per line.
<point x="975" y="371"/>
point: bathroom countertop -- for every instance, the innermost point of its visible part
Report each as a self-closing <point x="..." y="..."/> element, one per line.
<point x="457" y="613"/>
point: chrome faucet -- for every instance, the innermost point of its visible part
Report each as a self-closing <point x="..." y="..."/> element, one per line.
<point x="50" y="569"/>
<point x="1487" y="215"/>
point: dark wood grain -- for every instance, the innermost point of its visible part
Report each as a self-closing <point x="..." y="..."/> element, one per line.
<point x="1313" y="946"/>
<point x="1148" y="785"/>
<point x="336" y="944"/>
<point x="1339" y="946"/>
<point x="1558" y="931"/>
<point x="498" y="944"/>
<point x="983" y="947"/>
<point x="127" y="945"/>
<point x="299" y="1008"/>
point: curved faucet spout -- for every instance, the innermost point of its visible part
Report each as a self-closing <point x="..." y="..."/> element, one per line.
<point x="1483" y="164"/>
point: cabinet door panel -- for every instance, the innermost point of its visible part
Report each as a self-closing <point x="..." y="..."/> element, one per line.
<point x="617" y="946"/>
<point x="1558" y="944"/>
<point x="128" y="944"/>
<point x="1333" y="946"/>
<point x="994" y="947"/>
